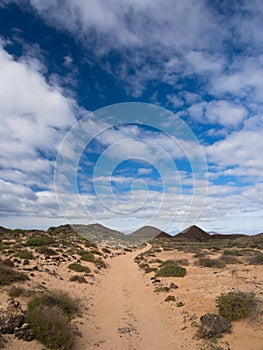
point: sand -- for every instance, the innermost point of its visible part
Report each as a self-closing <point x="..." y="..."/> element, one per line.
<point x="120" y="309"/>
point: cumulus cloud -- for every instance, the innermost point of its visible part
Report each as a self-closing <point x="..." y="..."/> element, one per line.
<point x="34" y="118"/>
<point x="220" y="112"/>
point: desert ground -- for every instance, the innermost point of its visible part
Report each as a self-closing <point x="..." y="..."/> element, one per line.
<point x="124" y="303"/>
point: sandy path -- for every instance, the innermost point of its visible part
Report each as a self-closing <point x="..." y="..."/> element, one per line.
<point x="124" y="300"/>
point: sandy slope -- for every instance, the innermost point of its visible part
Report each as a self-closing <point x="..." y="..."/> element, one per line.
<point x="124" y="300"/>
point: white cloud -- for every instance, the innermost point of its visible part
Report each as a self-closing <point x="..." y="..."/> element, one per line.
<point x="220" y="112"/>
<point x="34" y="119"/>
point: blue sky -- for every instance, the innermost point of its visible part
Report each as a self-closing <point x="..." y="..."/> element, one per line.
<point x="62" y="67"/>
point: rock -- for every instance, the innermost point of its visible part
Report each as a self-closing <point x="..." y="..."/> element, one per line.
<point x="180" y="304"/>
<point x="170" y="298"/>
<point x="128" y="329"/>
<point x="24" y="333"/>
<point x="213" y="325"/>
<point x="173" y="286"/>
<point x="156" y="281"/>
<point x="9" y="324"/>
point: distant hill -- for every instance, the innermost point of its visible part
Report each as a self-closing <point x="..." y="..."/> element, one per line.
<point x="220" y="236"/>
<point x="193" y="233"/>
<point x="163" y="235"/>
<point x="147" y="233"/>
<point x="4" y="230"/>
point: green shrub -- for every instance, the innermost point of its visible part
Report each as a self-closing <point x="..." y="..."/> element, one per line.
<point x="78" y="278"/>
<point x="215" y="263"/>
<point x="25" y="254"/>
<point x="87" y="256"/>
<point x="233" y="252"/>
<point x="79" y="268"/>
<point x="90" y="244"/>
<point x="9" y="275"/>
<point x="96" y="252"/>
<point x="46" y="251"/>
<point x="169" y="268"/>
<point x="56" y="298"/>
<point x="50" y="326"/>
<point x="18" y="230"/>
<point x="39" y="241"/>
<point x="106" y="250"/>
<point x="235" y="306"/>
<point x="151" y="269"/>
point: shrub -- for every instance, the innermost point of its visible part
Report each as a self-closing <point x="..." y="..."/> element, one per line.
<point x="170" y="268"/>
<point x="256" y="260"/>
<point x="151" y="269"/>
<point x="155" y="261"/>
<point x="46" y="251"/>
<point x="79" y="268"/>
<point x="96" y="252"/>
<point x="215" y="263"/>
<point x="50" y="326"/>
<point x="78" y="278"/>
<point x="229" y="259"/>
<point x="9" y="275"/>
<point x="25" y="254"/>
<point x="15" y="292"/>
<point x="235" y="306"/>
<point x="233" y="252"/>
<point x="87" y="256"/>
<point x="106" y="250"/>
<point x="39" y="241"/>
<point x="56" y="298"/>
<point x="7" y="262"/>
<point x="184" y="262"/>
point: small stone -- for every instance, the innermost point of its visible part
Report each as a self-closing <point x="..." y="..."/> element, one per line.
<point x="180" y="304"/>
<point x="173" y="286"/>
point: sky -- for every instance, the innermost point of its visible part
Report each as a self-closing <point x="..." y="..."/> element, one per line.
<point x="132" y="113"/>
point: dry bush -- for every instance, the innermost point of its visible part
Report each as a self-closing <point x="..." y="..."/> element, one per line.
<point x="9" y="275"/>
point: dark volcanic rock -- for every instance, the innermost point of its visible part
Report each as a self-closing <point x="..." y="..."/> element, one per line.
<point x="213" y="325"/>
<point x="24" y="333"/>
<point x="9" y="323"/>
<point x="170" y="298"/>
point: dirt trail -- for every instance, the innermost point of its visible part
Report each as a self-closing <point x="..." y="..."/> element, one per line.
<point x="124" y="300"/>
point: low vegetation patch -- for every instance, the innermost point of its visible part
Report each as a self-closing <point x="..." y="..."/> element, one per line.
<point x="46" y="251"/>
<point x="15" y="292"/>
<point x="78" y="278"/>
<point x="170" y="268"/>
<point x="232" y="252"/>
<point x="87" y="256"/>
<point x="49" y="316"/>
<point x="237" y="305"/>
<point x="215" y="263"/>
<point x="39" y="241"/>
<point x="25" y="254"/>
<point x="96" y="252"/>
<point x="229" y="259"/>
<point x="79" y="268"/>
<point x="256" y="259"/>
<point x="9" y="275"/>
<point x="7" y="262"/>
